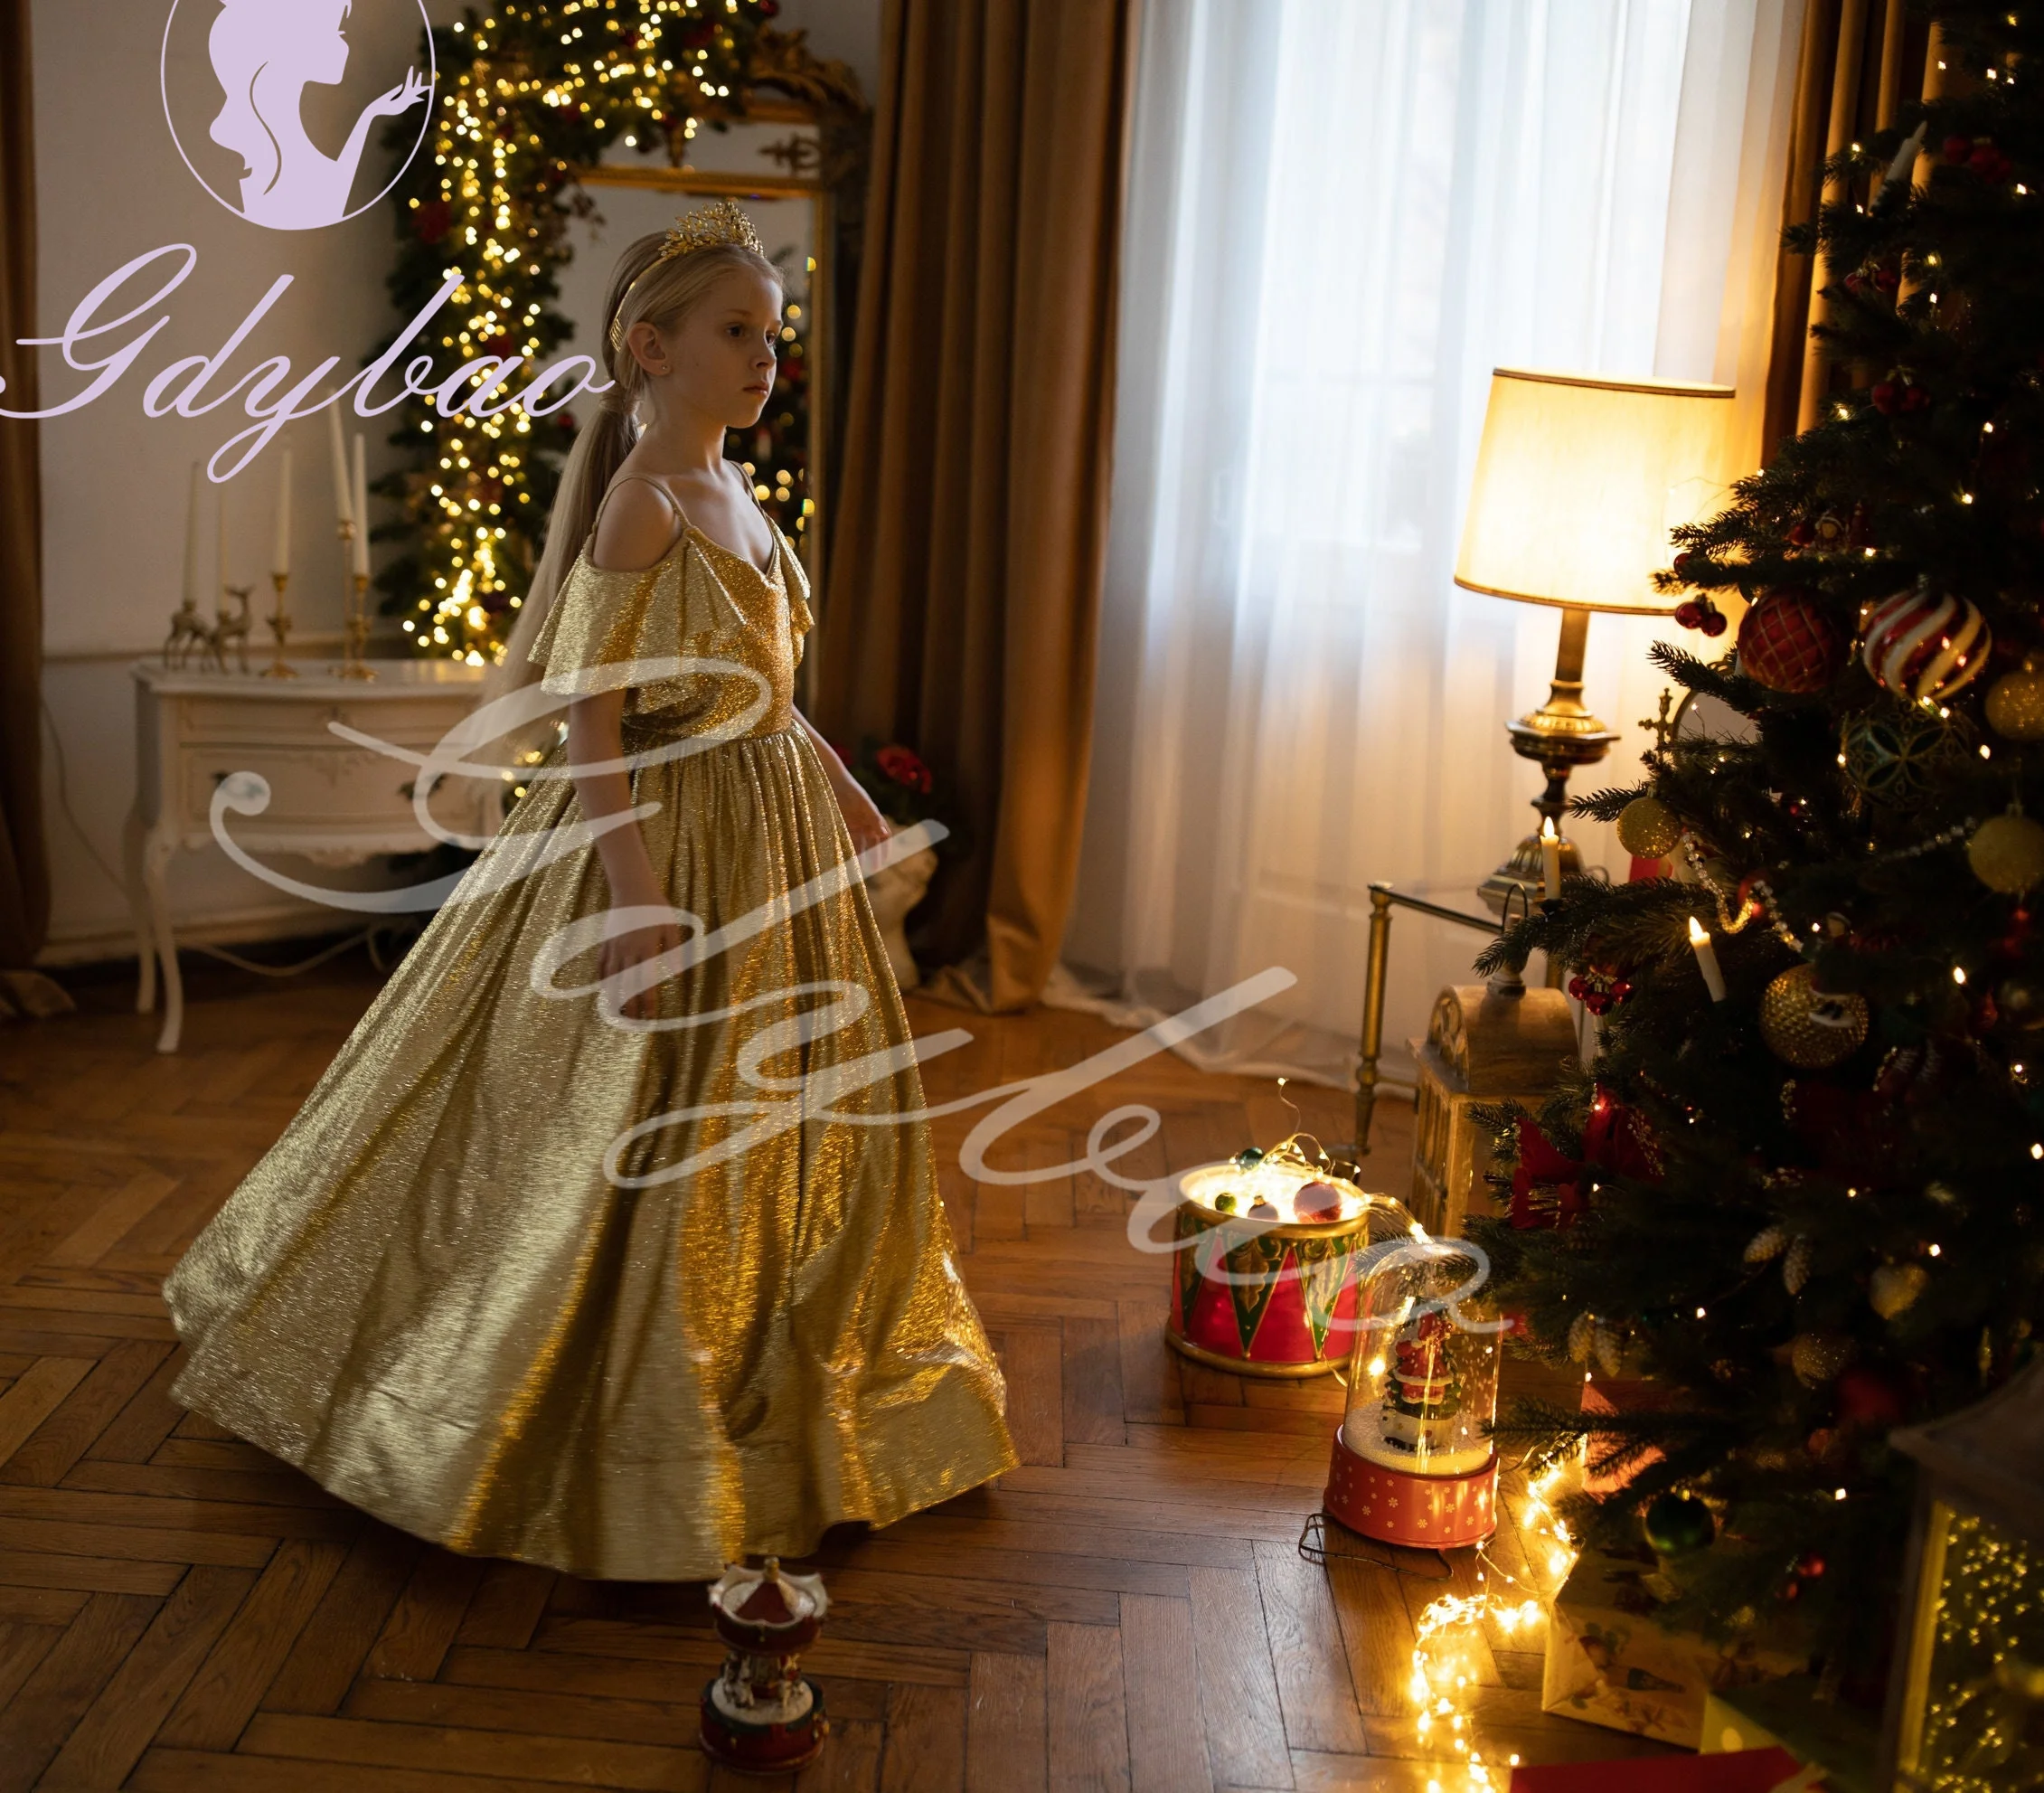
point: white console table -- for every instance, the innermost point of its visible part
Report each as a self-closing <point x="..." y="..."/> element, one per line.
<point x="332" y="801"/>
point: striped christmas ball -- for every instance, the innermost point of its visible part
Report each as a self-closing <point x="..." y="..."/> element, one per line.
<point x="1923" y="645"/>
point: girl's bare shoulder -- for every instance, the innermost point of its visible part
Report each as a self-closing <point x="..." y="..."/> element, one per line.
<point x="638" y="527"/>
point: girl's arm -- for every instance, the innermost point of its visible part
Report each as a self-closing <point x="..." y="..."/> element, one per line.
<point x="595" y="737"/>
<point x="861" y="815"/>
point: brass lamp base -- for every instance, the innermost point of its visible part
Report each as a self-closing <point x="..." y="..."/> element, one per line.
<point x="1558" y="736"/>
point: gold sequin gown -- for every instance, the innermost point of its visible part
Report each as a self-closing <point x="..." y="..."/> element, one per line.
<point x="432" y="1297"/>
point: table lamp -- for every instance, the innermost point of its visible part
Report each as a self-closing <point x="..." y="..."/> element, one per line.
<point x="1578" y="483"/>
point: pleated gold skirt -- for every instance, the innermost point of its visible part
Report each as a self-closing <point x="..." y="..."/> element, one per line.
<point x="462" y="1293"/>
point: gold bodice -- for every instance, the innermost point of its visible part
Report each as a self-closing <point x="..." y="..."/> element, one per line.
<point x="699" y="601"/>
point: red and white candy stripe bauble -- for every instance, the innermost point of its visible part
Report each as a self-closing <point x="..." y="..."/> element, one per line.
<point x="1923" y="645"/>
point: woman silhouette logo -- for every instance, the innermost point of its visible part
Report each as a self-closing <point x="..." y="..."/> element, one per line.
<point x="265" y="55"/>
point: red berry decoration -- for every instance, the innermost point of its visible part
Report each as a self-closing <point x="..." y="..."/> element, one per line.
<point x="1924" y="645"/>
<point x="1990" y="163"/>
<point x="1788" y="643"/>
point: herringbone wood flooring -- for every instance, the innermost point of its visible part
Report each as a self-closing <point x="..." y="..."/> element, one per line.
<point x="1128" y="1610"/>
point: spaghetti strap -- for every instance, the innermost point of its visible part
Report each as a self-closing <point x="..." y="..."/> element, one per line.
<point x="673" y="503"/>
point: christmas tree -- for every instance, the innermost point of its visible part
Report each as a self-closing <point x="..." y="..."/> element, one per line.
<point x="1799" y="1185"/>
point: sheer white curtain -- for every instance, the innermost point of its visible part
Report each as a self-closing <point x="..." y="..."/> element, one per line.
<point x="1344" y="213"/>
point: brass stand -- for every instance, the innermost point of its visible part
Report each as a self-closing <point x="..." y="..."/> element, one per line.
<point x="280" y="627"/>
<point x="353" y="660"/>
<point x="1558" y="736"/>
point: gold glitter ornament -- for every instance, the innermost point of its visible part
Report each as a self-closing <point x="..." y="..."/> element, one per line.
<point x="1893" y="1288"/>
<point x="1817" y="1357"/>
<point x="1648" y="828"/>
<point x="1807" y="1027"/>
<point x="2007" y="854"/>
<point x="2015" y="705"/>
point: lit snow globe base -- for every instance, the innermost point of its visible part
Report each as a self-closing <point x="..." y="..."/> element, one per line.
<point x="1413" y="1462"/>
<point x="1265" y="1255"/>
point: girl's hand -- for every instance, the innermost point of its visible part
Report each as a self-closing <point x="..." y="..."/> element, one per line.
<point x="861" y="815"/>
<point x="622" y="951"/>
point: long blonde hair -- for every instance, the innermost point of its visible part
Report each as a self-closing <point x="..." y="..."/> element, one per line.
<point x="663" y="297"/>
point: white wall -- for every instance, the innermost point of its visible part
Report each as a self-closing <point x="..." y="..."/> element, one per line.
<point x="844" y="30"/>
<point x="110" y="186"/>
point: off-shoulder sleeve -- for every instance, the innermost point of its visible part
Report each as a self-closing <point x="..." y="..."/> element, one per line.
<point x="605" y="624"/>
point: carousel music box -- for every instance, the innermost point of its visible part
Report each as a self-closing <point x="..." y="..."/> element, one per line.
<point x="1413" y="1461"/>
<point x="762" y="1713"/>
<point x="1267" y="1249"/>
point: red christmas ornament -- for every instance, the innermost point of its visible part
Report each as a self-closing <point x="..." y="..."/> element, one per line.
<point x="433" y="220"/>
<point x="1599" y="990"/>
<point x="1990" y="163"/>
<point x="1802" y="532"/>
<point x="1957" y="147"/>
<point x="1881" y="395"/>
<point x="1788" y="643"/>
<point x="1317" y="1201"/>
<point x="1923" y="644"/>
<point x="1810" y="1566"/>
<point x="1866" y="1399"/>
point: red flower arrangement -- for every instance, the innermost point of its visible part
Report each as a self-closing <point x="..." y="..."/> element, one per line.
<point x="903" y="787"/>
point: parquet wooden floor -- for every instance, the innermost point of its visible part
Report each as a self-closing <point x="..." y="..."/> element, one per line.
<point x="1128" y="1610"/>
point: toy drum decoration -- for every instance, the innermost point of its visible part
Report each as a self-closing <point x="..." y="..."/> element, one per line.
<point x="1413" y="1462"/>
<point x="1266" y="1247"/>
<point x="761" y="1713"/>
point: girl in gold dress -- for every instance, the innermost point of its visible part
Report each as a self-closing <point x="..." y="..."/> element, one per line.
<point x="630" y="1288"/>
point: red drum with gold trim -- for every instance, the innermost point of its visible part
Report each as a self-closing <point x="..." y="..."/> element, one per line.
<point x="1264" y="1282"/>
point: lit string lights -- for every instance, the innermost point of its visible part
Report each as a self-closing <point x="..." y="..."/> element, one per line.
<point x="529" y="94"/>
<point x="1446" y="1664"/>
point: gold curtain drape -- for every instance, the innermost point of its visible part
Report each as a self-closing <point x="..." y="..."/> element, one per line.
<point x="25" y="871"/>
<point x="1859" y="59"/>
<point x="968" y="551"/>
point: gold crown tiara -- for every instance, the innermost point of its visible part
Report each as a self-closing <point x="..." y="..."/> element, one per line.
<point x="704" y="228"/>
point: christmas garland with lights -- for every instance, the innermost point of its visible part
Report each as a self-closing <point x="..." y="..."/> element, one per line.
<point x="528" y="95"/>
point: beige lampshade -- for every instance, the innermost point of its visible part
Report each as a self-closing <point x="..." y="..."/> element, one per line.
<point x="1579" y="481"/>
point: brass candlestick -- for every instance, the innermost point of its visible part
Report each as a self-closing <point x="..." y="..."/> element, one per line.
<point x="280" y="627"/>
<point x="354" y="661"/>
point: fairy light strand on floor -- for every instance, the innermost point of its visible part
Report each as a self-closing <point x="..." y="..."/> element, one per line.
<point x="1446" y="1634"/>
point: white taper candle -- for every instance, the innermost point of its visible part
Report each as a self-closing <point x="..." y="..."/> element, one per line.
<point x="1707" y="960"/>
